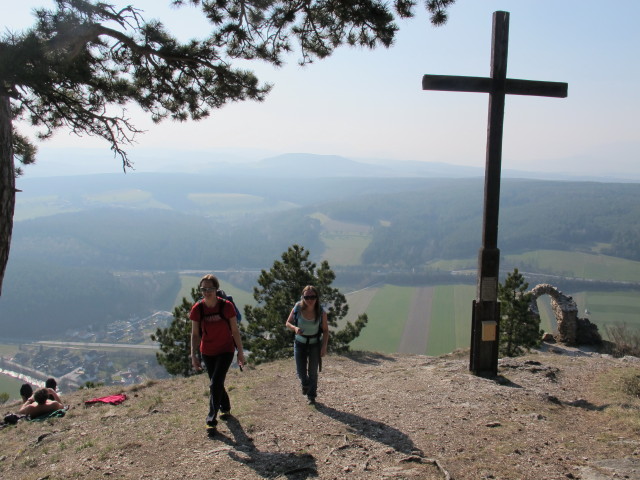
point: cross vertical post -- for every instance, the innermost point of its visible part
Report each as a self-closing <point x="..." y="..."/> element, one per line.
<point x="485" y="320"/>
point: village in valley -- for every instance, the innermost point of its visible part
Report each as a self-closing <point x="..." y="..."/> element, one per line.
<point x="120" y="353"/>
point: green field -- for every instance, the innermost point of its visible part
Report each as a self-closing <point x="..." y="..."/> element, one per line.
<point x="547" y="320"/>
<point x="442" y="328"/>
<point x="27" y="209"/>
<point x="132" y="197"/>
<point x="11" y="386"/>
<point x="450" y="327"/>
<point x="450" y="316"/>
<point x="577" y="264"/>
<point x="235" y="203"/>
<point x="608" y="308"/>
<point x="553" y="262"/>
<point x="387" y="312"/>
<point x="345" y="249"/>
<point x="8" y="384"/>
<point x="8" y="350"/>
<point x="344" y="242"/>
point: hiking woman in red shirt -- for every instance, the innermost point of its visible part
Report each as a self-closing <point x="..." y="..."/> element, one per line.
<point x="215" y="335"/>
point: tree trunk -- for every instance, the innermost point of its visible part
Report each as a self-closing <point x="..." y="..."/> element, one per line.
<point x="7" y="184"/>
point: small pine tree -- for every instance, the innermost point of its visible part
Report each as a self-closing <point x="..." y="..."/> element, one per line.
<point x="265" y="335"/>
<point x="519" y="331"/>
<point x="175" y="340"/>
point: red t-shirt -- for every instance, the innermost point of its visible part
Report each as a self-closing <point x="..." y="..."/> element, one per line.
<point x="216" y="331"/>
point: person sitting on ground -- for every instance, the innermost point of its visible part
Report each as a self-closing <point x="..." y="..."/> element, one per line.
<point x="39" y="404"/>
<point x="52" y="384"/>
<point x="25" y="392"/>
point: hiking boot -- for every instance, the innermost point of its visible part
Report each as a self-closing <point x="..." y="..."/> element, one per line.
<point x="311" y="400"/>
<point x="225" y="414"/>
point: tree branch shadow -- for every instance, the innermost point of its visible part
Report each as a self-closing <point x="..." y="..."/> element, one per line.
<point x="290" y="465"/>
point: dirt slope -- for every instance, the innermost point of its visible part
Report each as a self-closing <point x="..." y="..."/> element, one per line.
<point x="548" y="416"/>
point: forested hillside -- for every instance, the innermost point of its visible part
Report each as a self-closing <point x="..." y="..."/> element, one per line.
<point x="414" y="220"/>
<point x="445" y="220"/>
<point x="90" y="249"/>
<point x="43" y="299"/>
<point x="157" y="239"/>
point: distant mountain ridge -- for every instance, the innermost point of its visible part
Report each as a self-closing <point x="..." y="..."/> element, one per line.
<point x="289" y="165"/>
<point x="293" y="164"/>
<point x="297" y="165"/>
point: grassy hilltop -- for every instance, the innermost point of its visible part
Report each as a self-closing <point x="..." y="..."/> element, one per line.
<point x="553" y="415"/>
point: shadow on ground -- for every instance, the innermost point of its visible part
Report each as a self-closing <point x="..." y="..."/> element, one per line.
<point x="293" y="466"/>
<point x="373" y="430"/>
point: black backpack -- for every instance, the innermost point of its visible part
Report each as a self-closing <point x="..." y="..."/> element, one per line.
<point x="224" y="296"/>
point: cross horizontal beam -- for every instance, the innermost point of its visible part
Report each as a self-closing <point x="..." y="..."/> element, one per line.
<point x="454" y="83"/>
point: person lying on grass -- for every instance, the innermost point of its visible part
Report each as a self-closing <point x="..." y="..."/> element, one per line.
<point x="39" y="404"/>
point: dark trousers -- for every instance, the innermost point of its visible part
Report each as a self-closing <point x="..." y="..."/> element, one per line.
<point x="217" y="368"/>
<point x="307" y="361"/>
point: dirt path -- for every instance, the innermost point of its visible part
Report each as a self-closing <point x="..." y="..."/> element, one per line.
<point x="358" y="304"/>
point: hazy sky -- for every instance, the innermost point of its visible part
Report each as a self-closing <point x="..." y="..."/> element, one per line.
<point x="370" y="104"/>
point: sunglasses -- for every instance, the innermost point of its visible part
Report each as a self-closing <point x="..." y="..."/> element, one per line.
<point x="310" y="297"/>
<point x="207" y="290"/>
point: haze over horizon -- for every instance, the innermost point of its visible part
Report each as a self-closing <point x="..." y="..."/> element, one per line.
<point x="365" y="105"/>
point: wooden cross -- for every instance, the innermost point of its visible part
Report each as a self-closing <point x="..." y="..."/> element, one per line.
<point x="486" y="310"/>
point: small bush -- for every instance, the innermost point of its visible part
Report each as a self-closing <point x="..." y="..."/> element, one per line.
<point x="631" y="385"/>
<point x="88" y="385"/>
<point x="623" y="340"/>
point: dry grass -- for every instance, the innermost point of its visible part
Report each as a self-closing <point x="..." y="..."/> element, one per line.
<point x="624" y="340"/>
<point x="620" y="391"/>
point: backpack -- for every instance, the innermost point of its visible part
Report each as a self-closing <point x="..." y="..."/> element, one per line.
<point x="223" y="296"/>
<point x="220" y="294"/>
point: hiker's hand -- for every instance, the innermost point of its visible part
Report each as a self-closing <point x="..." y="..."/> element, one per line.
<point x="298" y="331"/>
<point x="195" y="361"/>
<point x="241" y="360"/>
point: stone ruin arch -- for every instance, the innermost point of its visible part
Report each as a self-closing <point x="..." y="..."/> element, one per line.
<point x="564" y="309"/>
<point x="571" y="329"/>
